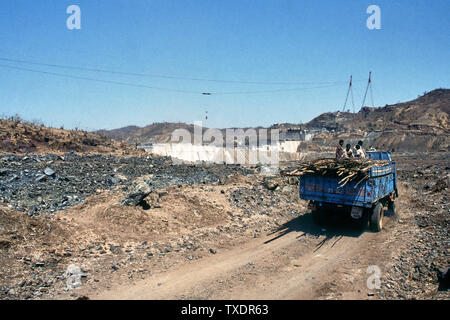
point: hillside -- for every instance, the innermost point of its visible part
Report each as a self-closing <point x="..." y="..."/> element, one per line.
<point x="429" y="113"/>
<point x="418" y="125"/>
<point x="154" y="133"/>
<point x="118" y="134"/>
<point x="18" y="136"/>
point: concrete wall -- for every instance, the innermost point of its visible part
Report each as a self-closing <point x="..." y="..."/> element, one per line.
<point x="296" y="135"/>
<point x="285" y="150"/>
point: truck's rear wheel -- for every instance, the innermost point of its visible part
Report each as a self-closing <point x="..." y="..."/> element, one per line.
<point x="376" y="219"/>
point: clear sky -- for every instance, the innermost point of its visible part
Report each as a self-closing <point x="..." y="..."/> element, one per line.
<point x="307" y="42"/>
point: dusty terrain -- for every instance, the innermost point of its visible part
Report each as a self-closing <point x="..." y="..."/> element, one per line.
<point x="299" y="260"/>
<point x="83" y="216"/>
<point x="22" y="137"/>
<point x="217" y="232"/>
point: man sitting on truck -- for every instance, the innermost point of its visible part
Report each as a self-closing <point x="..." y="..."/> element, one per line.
<point x="340" y="153"/>
<point x="349" y="151"/>
<point x="360" y="143"/>
<point x="359" y="152"/>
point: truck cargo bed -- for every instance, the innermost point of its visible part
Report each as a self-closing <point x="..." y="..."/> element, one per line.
<point x="381" y="182"/>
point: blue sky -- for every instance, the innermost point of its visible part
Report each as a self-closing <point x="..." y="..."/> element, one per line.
<point x="237" y="40"/>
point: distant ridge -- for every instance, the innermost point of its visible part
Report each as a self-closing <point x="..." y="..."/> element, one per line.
<point x="418" y="125"/>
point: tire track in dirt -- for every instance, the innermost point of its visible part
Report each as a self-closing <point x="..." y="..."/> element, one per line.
<point x="299" y="261"/>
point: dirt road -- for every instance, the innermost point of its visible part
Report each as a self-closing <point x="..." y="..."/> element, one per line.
<point x="237" y="239"/>
<point x="299" y="261"/>
<point x="303" y="261"/>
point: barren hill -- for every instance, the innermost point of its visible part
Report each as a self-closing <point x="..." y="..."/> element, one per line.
<point x="119" y="134"/>
<point x="18" y="136"/>
<point x="418" y="125"/>
<point x="429" y="113"/>
<point x="159" y="132"/>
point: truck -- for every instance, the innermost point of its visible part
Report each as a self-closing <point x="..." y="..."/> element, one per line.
<point x="366" y="203"/>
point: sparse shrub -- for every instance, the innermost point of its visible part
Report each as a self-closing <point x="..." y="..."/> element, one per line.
<point x="16" y="119"/>
<point x="37" y="122"/>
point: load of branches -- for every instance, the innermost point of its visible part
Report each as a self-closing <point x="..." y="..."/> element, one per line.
<point x="348" y="169"/>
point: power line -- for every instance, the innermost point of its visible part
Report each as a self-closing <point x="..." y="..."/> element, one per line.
<point x="161" y="88"/>
<point x="165" y="76"/>
<point x="98" y="80"/>
<point x="277" y="90"/>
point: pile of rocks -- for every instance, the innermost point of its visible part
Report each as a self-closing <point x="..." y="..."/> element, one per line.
<point x="420" y="271"/>
<point x="50" y="183"/>
<point x="259" y="200"/>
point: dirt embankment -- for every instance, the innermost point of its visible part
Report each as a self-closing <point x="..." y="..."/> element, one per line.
<point x="19" y="136"/>
<point x="113" y="244"/>
<point x="48" y="183"/>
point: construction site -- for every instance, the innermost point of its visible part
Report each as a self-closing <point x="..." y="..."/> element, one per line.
<point x="137" y="225"/>
<point x="348" y="201"/>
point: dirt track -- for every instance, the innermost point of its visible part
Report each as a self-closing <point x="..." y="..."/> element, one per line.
<point x="304" y="261"/>
<point x="300" y="261"/>
<point x="235" y="239"/>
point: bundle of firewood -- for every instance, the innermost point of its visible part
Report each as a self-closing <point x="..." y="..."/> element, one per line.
<point x="347" y="169"/>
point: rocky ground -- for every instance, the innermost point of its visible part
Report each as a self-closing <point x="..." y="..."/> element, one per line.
<point x="66" y="233"/>
<point x="62" y="210"/>
<point x="49" y="183"/>
<point x="421" y="257"/>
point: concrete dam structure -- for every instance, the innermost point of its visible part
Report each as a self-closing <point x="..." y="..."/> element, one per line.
<point x="266" y="154"/>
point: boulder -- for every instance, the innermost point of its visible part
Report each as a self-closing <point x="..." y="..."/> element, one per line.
<point x="137" y="194"/>
<point x="40" y="178"/>
<point x="49" y="172"/>
<point x="270" y="184"/>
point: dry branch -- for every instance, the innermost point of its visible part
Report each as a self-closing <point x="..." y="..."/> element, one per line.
<point x="346" y="169"/>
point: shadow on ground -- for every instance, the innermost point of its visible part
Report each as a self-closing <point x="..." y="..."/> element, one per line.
<point x="333" y="231"/>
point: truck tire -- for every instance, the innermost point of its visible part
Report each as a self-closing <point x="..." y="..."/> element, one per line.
<point x="376" y="219"/>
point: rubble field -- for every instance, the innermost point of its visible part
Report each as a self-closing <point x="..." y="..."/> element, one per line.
<point x="63" y="217"/>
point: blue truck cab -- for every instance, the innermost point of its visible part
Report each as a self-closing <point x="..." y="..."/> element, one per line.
<point x="365" y="201"/>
